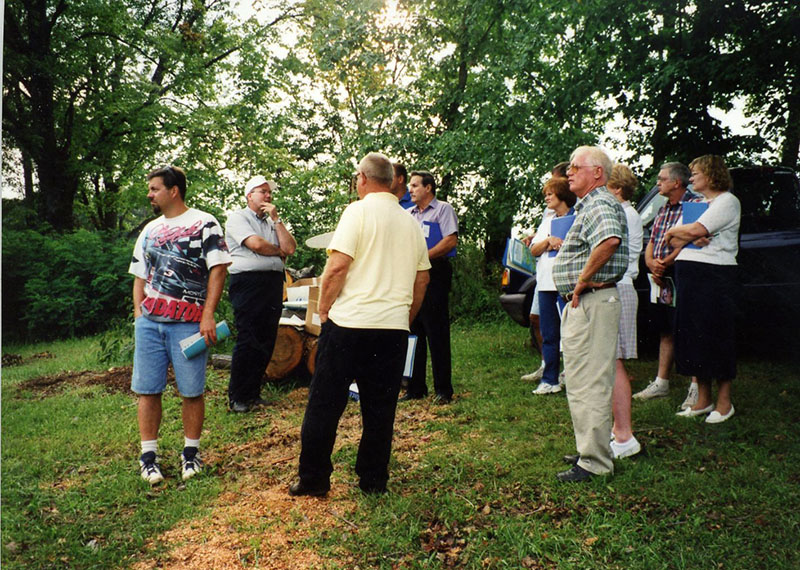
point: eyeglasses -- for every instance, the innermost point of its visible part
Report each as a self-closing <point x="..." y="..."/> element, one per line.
<point x="576" y="167"/>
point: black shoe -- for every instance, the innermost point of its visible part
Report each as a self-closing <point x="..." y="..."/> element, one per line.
<point x="575" y="475"/>
<point x="406" y="397"/>
<point x="571" y="459"/>
<point x="259" y="403"/>
<point x="240" y="407"/>
<point x="300" y="489"/>
<point x="373" y="489"/>
<point x="442" y="400"/>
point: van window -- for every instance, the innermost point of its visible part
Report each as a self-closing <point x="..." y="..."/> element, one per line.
<point x="770" y="199"/>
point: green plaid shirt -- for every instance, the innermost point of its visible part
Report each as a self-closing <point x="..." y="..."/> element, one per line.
<point x="598" y="216"/>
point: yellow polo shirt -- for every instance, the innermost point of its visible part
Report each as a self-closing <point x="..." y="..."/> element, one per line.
<point x="388" y="248"/>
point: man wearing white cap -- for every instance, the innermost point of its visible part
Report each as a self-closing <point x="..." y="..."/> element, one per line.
<point x="259" y="244"/>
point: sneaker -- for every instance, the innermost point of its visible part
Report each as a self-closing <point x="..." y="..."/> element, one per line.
<point x="149" y="468"/>
<point x="561" y="378"/>
<point x="191" y="464"/>
<point x="691" y="397"/>
<point x="545" y="388"/>
<point x="535" y="375"/>
<point x="654" y="390"/>
<point x="626" y="449"/>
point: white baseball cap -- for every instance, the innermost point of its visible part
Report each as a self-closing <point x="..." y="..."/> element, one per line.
<point x="257" y="181"/>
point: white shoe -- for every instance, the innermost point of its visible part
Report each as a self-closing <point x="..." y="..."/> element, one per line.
<point x="535" y="375"/>
<point x="190" y="466"/>
<point x="561" y="378"/>
<point x="691" y="397"/>
<point x="654" y="390"/>
<point x="149" y="468"/>
<point x="716" y="418"/>
<point x="626" y="449"/>
<point x="545" y="388"/>
<point x="690" y="413"/>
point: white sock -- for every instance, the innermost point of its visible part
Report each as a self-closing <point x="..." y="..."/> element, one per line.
<point x="662" y="382"/>
<point x="150" y="445"/>
<point x="191" y="442"/>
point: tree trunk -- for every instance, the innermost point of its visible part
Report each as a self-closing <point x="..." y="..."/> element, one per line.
<point x="27" y="175"/>
<point x="287" y="354"/>
<point x="791" y="139"/>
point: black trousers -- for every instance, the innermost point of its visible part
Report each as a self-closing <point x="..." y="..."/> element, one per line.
<point x="432" y="327"/>
<point x="374" y="359"/>
<point x="257" y="299"/>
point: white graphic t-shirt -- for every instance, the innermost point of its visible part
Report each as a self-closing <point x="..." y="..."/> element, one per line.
<point x="174" y="256"/>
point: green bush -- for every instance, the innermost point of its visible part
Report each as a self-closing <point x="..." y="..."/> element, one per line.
<point x="63" y="285"/>
<point x="475" y="294"/>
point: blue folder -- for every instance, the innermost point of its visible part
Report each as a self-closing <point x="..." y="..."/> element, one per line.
<point x="559" y="228"/>
<point x="433" y="235"/>
<point x="691" y="213"/>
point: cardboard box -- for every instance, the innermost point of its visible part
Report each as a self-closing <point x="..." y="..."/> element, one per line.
<point x="313" y="324"/>
<point x="297" y="292"/>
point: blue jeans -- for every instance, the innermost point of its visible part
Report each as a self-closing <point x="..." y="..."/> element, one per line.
<point x="550" y="327"/>
<point x="157" y="344"/>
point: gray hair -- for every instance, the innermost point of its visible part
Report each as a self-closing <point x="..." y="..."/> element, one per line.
<point x="677" y="171"/>
<point x="377" y="167"/>
<point x="597" y="157"/>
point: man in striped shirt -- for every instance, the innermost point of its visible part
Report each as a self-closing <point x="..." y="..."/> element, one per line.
<point x="673" y="178"/>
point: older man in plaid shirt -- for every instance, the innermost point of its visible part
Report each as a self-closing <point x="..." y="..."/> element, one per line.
<point x="591" y="260"/>
<point x="672" y="182"/>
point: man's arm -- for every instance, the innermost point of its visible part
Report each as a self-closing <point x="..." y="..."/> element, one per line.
<point x="261" y="246"/>
<point x="443" y="247"/>
<point x="420" y="285"/>
<point x="138" y="296"/>
<point x="597" y="259"/>
<point x="216" y="281"/>
<point x="333" y="278"/>
<point x="286" y="240"/>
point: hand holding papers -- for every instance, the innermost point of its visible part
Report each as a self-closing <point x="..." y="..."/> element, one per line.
<point x="195" y="344"/>
<point x="518" y="257"/>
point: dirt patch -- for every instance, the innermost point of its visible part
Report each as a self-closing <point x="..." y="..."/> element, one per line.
<point x="113" y="379"/>
<point x="255" y="523"/>
<point x="17" y="359"/>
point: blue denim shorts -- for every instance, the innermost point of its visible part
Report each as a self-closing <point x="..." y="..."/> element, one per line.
<point x="157" y="344"/>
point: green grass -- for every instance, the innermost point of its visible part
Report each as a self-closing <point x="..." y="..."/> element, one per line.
<point x="483" y="493"/>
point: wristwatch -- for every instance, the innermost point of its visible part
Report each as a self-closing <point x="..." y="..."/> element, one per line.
<point x="278" y="221"/>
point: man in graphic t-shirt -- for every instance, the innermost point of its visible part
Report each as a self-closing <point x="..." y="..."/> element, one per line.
<point x="179" y="263"/>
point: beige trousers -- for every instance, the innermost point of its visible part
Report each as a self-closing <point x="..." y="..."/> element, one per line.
<point x="589" y="340"/>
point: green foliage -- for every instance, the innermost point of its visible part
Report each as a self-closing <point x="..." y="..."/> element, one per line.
<point x="63" y="284"/>
<point x="476" y="286"/>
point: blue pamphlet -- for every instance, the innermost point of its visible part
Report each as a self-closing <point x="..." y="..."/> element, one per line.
<point x="433" y="235"/>
<point x="518" y="257"/>
<point x="559" y="228"/>
<point x="196" y="344"/>
<point x="408" y="369"/>
<point x="691" y="213"/>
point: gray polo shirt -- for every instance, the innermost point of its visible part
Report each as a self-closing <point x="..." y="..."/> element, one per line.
<point x="241" y="225"/>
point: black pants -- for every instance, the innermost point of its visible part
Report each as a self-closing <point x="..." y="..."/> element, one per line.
<point x="257" y="299"/>
<point x="374" y="358"/>
<point x="432" y="326"/>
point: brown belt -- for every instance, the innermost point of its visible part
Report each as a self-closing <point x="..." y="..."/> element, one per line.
<point x="568" y="297"/>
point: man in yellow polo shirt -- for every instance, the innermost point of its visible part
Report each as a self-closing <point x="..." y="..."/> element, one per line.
<point x="372" y="288"/>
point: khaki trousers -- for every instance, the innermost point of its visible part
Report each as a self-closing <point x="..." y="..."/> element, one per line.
<point x="589" y="340"/>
